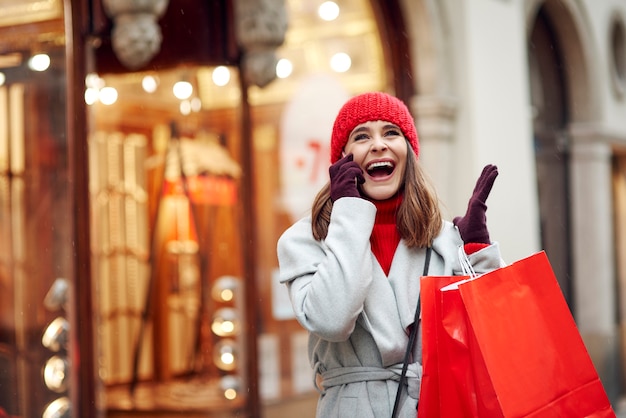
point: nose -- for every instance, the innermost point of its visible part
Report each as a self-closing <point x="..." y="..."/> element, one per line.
<point x="379" y="143"/>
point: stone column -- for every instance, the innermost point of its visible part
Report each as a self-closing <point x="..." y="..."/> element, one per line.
<point x="593" y="252"/>
<point x="435" y="128"/>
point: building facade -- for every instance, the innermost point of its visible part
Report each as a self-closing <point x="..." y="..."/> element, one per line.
<point x="148" y="169"/>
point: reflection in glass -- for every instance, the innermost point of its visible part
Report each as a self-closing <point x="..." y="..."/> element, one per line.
<point x="55" y="336"/>
<point x="225" y="355"/>
<point x="230" y="386"/>
<point x="59" y="408"/>
<point x="56" y="374"/>
<point x="225" y="322"/>
<point x="56" y="298"/>
<point x="224" y="288"/>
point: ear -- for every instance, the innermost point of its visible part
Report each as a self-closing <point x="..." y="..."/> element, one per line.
<point x="343" y="153"/>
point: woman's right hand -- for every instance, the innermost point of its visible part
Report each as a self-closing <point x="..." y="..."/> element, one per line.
<point x="345" y="176"/>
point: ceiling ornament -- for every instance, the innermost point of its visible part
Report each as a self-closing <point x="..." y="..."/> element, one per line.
<point x="136" y="34"/>
<point x="260" y="29"/>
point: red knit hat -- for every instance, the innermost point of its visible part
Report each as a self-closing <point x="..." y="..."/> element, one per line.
<point x="371" y="107"/>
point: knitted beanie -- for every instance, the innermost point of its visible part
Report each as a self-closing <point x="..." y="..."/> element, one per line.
<point x="367" y="107"/>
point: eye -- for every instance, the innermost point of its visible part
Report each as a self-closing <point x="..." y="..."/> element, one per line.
<point x="360" y="137"/>
<point x="393" y="132"/>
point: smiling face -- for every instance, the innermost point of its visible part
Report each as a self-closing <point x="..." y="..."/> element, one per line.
<point x="380" y="149"/>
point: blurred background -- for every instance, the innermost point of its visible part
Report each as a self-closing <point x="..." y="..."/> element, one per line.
<point x="152" y="152"/>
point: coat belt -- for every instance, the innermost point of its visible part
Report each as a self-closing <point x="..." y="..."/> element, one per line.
<point x="344" y="375"/>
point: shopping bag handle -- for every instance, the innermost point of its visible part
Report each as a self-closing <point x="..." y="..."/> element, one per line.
<point x="466" y="265"/>
<point x="412" y="335"/>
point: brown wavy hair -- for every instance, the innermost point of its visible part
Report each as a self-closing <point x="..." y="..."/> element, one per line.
<point x="418" y="219"/>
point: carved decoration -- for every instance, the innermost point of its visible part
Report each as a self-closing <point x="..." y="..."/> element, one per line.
<point x="136" y="35"/>
<point x="260" y="29"/>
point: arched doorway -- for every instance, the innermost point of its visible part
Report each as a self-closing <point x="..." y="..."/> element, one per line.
<point x="551" y="115"/>
<point x="574" y="164"/>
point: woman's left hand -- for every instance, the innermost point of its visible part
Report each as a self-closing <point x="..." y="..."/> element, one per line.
<point x="473" y="226"/>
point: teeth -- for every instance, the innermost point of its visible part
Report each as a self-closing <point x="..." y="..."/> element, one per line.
<point x="379" y="164"/>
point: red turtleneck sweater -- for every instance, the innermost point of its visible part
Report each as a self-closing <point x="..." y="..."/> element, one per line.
<point x="385" y="237"/>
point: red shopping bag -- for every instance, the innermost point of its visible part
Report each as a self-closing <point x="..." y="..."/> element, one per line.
<point x="449" y="388"/>
<point x="432" y="326"/>
<point x="508" y="346"/>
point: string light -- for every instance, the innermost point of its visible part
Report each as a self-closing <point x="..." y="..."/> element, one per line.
<point x="39" y="62"/>
<point x="108" y="96"/>
<point x="340" y="62"/>
<point x="149" y="84"/>
<point x="182" y="90"/>
<point x="329" y="10"/>
<point x="284" y="68"/>
<point x="221" y="75"/>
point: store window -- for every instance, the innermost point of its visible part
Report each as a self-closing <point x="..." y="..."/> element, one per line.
<point x="37" y="257"/>
<point x="190" y="171"/>
<point x="168" y="270"/>
<point x="166" y="167"/>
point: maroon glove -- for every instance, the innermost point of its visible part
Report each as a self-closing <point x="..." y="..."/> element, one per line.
<point x="473" y="226"/>
<point x="345" y="175"/>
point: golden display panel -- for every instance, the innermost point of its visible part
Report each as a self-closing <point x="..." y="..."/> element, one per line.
<point x="17" y="12"/>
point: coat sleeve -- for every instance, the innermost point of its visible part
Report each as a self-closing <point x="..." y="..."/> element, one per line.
<point x="329" y="280"/>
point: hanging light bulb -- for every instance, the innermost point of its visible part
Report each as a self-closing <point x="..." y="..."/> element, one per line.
<point x="221" y="75"/>
<point x="329" y="10"/>
<point x="108" y="95"/>
<point x="185" y="107"/>
<point x="341" y="62"/>
<point x="182" y="90"/>
<point x="94" y="80"/>
<point x="196" y="104"/>
<point x="284" y="68"/>
<point x="149" y="84"/>
<point x="39" y="62"/>
<point x="91" y="95"/>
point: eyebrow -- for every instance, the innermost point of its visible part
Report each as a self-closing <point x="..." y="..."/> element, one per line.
<point x="360" y="129"/>
<point x="367" y="129"/>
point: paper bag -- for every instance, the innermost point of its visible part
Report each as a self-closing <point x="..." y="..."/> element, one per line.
<point x="507" y="346"/>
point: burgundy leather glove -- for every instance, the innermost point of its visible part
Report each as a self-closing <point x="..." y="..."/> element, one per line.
<point x="473" y="226"/>
<point x="345" y="176"/>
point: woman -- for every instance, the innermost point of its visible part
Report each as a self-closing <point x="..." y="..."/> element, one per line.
<point x="352" y="268"/>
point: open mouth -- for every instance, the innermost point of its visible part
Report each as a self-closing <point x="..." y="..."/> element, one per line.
<point x="380" y="168"/>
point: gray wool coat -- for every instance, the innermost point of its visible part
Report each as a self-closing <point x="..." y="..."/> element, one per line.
<point x="357" y="317"/>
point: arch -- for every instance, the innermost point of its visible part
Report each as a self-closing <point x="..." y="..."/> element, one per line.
<point x="560" y="70"/>
<point x="395" y="43"/>
<point x="573" y="31"/>
<point x="551" y="115"/>
<point x="434" y="103"/>
<point x="431" y="49"/>
<point x="574" y="166"/>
